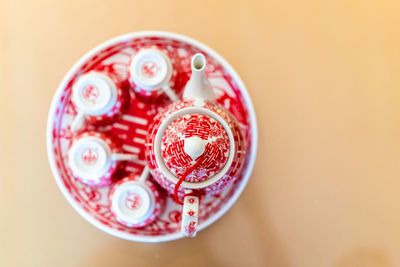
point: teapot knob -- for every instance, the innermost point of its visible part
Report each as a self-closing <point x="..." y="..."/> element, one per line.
<point x="194" y="146"/>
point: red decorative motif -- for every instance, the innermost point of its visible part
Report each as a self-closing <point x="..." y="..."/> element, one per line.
<point x="133" y="201"/>
<point x="90" y="93"/>
<point x="216" y="151"/>
<point x="66" y="133"/>
<point x="191" y="213"/>
<point x="92" y="194"/>
<point x="89" y="156"/>
<point x="131" y="128"/>
<point x="175" y="216"/>
<point x="190" y="229"/>
<point x="150" y="69"/>
<point x="173" y="140"/>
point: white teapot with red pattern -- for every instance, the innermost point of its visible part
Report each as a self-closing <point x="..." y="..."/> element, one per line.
<point x="195" y="147"/>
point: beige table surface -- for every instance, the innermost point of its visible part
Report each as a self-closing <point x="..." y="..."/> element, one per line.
<point x="325" y="80"/>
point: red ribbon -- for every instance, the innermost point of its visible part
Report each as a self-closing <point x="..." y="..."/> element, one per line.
<point x="187" y="172"/>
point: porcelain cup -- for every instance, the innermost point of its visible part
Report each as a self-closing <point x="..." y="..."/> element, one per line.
<point x="94" y="157"/>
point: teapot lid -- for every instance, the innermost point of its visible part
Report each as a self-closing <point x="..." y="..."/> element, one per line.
<point x="195" y="137"/>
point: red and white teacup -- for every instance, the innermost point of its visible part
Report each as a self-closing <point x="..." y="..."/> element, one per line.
<point x="98" y="97"/>
<point x="151" y="74"/>
<point x="136" y="201"/>
<point x="93" y="158"/>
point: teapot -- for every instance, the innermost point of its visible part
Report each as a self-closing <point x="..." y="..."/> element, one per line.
<point x="195" y="147"/>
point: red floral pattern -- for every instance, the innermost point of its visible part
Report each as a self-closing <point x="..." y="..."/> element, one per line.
<point x="227" y="179"/>
<point x="131" y="128"/>
<point x="204" y="127"/>
<point x="190" y="229"/>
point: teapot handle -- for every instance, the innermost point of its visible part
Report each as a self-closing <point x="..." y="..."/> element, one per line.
<point x="190" y="215"/>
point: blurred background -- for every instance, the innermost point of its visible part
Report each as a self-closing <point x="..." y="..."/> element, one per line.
<point x="324" y="77"/>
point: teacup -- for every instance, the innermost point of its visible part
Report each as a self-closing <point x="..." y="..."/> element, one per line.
<point x="136" y="201"/>
<point x="195" y="147"/>
<point x="94" y="157"/>
<point x="98" y="98"/>
<point x="151" y="73"/>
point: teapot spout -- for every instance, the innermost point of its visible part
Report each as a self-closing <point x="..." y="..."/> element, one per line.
<point x="198" y="85"/>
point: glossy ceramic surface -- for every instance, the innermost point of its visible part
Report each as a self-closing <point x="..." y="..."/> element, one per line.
<point x="114" y="56"/>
